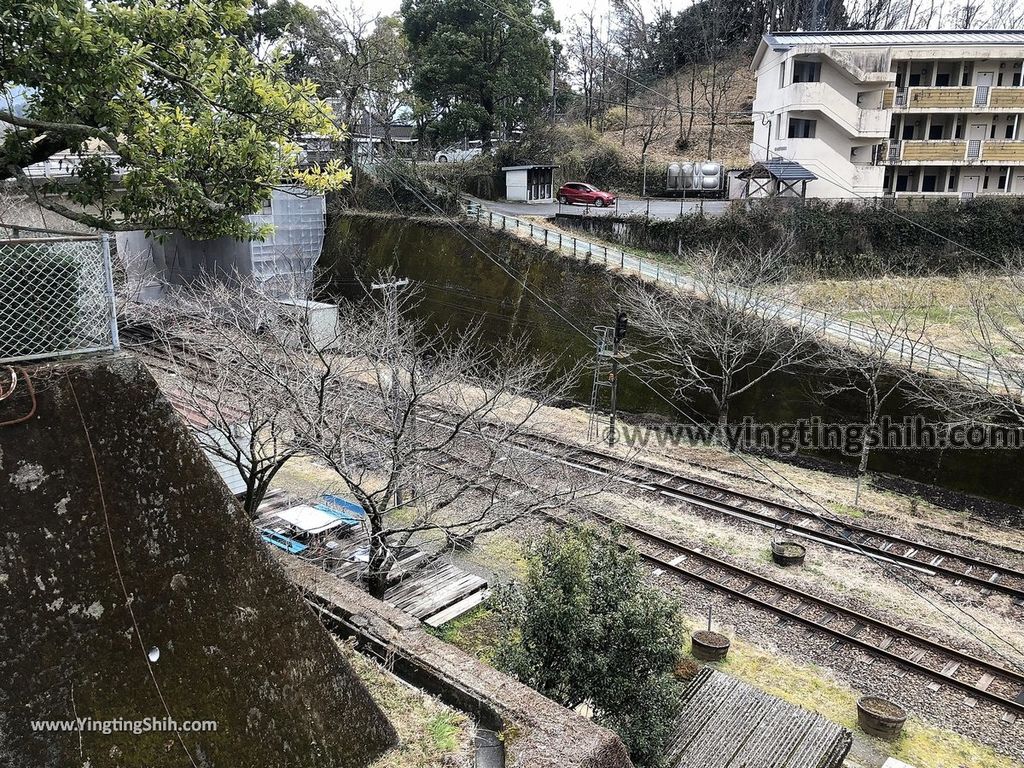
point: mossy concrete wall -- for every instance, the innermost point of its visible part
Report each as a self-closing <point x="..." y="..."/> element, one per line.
<point x="539" y="732"/>
<point x="236" y="642"/>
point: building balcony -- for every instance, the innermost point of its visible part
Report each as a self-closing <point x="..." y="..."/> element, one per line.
<point x="954" y="152"/>
<point x="858" y="121"/>
<point x="980" y="98"/>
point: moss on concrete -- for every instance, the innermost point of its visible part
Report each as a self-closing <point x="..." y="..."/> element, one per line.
<point x="237" y="644"/>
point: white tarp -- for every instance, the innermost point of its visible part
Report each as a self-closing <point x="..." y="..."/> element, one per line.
<point x="310" y="519"/>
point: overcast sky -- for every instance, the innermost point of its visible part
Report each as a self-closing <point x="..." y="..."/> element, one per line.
<point x="565" y="10"/>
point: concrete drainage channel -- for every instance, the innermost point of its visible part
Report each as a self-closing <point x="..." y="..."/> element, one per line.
<point x="488" y="747"/>
<point x="490" y="750"/>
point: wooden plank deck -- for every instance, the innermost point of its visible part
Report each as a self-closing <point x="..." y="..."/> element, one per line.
<point x="435" y="594"/>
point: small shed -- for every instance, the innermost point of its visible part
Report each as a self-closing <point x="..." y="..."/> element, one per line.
<point x="530" y="183"/>
<point x="776" y="178"/>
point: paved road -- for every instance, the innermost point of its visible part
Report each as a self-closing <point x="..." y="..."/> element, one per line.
<point x="659" y="208"/>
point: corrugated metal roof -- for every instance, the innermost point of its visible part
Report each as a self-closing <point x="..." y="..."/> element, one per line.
<point x="228" y="472"/>
<point x="783" y="170"/>
<point x="725" y="723"/>
<point x="898" y="37"/>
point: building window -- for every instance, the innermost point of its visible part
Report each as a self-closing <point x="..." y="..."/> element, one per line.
<point x="782" y="75"/>
<point x="929" y="183"/>
<point x="902" y="183"/>
<point x="992" y="133"/>
<point x="806" y="71"/>
<point x="1016" y="78"/>
<point x="999" y="80"/>
<point x="1003" y="174"/>
<point x="935" y="132"/>
<point x="984" y="184"/>
<point x="1009" y="131"/>
<point x="942" y="79"/>
<point x="908" y="132"/>
<point x="952" y="180"/>
<point x="802" y="129"/>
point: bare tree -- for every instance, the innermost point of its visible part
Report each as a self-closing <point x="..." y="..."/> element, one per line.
<point x="724" y="336"/>
<point x="895" y="328"/>
<point x="652" y="123"/>
<point x="422" y="428"/>
<point x="238" y="357"/>
<point x="429" y="448"/>
<point x="631" y="37"/>
<point x="688" y="113"/>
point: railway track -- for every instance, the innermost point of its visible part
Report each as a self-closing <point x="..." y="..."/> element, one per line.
<point x="974" y="676"/>
<point x="841" y="534"/>
<point x="925" y="558"/>
<point x="977" y="678"/>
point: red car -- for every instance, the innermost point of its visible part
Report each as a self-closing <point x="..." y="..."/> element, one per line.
<point x="578" y="192"/>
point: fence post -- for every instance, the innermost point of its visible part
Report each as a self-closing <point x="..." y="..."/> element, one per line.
<point x="622" y="256"/>
<point x="502" y="222"/>
<point x="545" y="237"/>
<point x="559" y="241"/>
<point x="490" y="219"/>
<point x="574" y="247"/>
<point x="108" y="274"/>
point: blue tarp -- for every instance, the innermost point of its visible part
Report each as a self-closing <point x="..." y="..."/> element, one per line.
<point x="282" y="542"/>
<point x="341" y="508"/>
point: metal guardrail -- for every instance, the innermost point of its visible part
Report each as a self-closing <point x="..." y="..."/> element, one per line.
<point x="56" y="297"/>
<point x="919" y="356"/>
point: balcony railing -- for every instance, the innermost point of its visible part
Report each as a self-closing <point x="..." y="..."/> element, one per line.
<point x="956" y="151"/>
<point x="1005" y="151"/>
<point x="980" y="97"/>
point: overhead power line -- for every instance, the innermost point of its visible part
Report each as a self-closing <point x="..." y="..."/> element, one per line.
<point x="887" y="568"/>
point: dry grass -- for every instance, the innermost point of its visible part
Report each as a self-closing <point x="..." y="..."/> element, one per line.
<point x="921" y="745"/>
<point x="431" y="734"/>
<point x="851" y="577"/>
<point x="948" y="309"/>
<point x="732" y="132"/>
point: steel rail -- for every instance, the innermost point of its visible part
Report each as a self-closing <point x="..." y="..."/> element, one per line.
<point x="858" y="540"/>
<point x="1014" y="702"/>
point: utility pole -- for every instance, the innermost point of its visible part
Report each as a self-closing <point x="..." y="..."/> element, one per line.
<point x="606" y="375"/>
<point x="621" y="324"/>
<point x="554" y="66"/>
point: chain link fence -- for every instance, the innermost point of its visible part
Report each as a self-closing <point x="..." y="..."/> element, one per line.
<point x="56" y="297"/>
<point x="915" y="355"/>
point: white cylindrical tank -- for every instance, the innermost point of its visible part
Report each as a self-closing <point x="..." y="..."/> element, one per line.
<point x="674" y="180"/>
<point x="686" y="179"/>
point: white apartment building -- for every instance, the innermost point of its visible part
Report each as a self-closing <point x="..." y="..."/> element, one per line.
<point x="875" y="113"/>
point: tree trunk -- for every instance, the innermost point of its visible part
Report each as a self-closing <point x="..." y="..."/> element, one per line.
<point x="862" y="467"/>
<point x="377" y="566"/>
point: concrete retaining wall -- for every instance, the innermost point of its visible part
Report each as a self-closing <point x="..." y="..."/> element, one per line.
<point x="540" y="732"/>
<point x="237" y="644"/>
